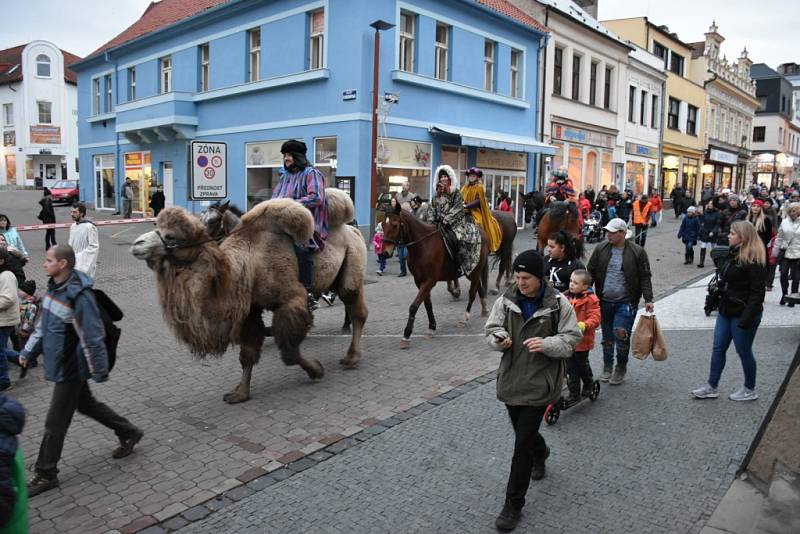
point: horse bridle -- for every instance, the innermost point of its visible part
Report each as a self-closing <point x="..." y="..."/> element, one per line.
<point x="423" y="238"/>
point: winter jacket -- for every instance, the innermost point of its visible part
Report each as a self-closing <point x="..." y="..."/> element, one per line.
<point x="557" y="272"/>
<point x="686" y="203"/>
<point x="710" y="223"/>
<point x="788" y="238"/>
<point x="587" y="311"/>
<point x="13" y="490"/>
<point x="157" y="201"/>
<point x="14" y="240"/>
<point x="766" y="231"/>
<point x="70" y="332"/>
<point x="9" y="302"/>
<point x="657" y="204"/>
<point x="624" y="207"/>
<point x="742" y="288"/>
<point x="527" y="378"/>
<point x="47" y="214"/>
<point x="689" y="230"/>
<point x="707" y="195"/>
<point x="377" y="243"/>
<point x="635" y="266"/>
<point x="729" y="216"/>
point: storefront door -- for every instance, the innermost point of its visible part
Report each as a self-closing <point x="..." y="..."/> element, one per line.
<point x="104" y="182"/>
<point x="513" y="184"/>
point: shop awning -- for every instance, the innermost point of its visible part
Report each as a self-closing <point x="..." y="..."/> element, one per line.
<point x="497" y="141"/>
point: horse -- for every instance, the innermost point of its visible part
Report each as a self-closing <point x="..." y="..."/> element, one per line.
<point x="502" y="257"/>
<point x="532" y="202"/>
<point x="429" y="264"/>
<point x="560" y="216"/>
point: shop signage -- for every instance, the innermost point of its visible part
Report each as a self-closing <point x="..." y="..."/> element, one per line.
<point x="267" y="154"/>
<point x="404" y="154"/>
<point x="349" y="94"/>
<point x="45" y="135"/>
<point x="722" y="156"/>
<point x="579" y="135"/>
<point x="45" y="152"/>
<point x="10" y="138"/>
<point x="133" y="160"/>
<point x="502" y="159"/>
<point x="641" y="150"/>
<point x="209" y="170"/>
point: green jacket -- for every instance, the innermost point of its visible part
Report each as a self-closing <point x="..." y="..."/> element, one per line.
<point x="635" y="266"/>
<point x="533" y="378"/>
<point x="18" y="523"/>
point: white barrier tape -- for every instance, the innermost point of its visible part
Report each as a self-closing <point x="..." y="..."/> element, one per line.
<point x="109" y="222"/>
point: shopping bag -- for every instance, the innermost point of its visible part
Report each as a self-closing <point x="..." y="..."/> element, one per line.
<point x="659" y="342"/>
<point x="643" y="337"/>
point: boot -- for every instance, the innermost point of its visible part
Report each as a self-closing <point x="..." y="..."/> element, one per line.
<point x="508" y="518"/>
<point x="619" y="375"/>
<point x="305" y="264"/>
<point x="538" y="472"/>
<point x="691" y="256"/>
<point x="686" y="258"/>
<point x="605" y="376"/>
<point x="702" y="258"/>
<point x="40" y="484"/>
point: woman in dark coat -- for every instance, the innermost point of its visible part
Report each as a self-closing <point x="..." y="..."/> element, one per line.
<point x="710" y="223"/>
<point x="157" y="200"/>
<point x="48" y="216"/>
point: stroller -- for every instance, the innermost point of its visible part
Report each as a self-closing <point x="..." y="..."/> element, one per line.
<point x="592" y="230"/>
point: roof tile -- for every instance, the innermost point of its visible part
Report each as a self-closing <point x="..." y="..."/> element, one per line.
<point x="510" y="10"/>
<point x="12" y="57"/>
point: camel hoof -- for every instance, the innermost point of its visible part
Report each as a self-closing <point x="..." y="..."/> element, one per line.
<point x="235" y="397"/>
<point x="315" y="370"/>
<point x="405" y="343"/>
<point x="350" y="361"/>
<point x="346" y="330"/>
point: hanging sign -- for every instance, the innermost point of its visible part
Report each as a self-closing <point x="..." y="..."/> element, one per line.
<point x="209" y="164"/>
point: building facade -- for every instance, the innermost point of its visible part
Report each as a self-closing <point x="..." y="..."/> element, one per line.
<point x="791" y="71"/>
<point x="683" y="149"/>
<point x="39" y="102"/>
<point x="458" y="85"/>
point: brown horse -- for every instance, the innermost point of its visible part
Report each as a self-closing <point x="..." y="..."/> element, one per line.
<point x="503" y="257"/>
<point x="560" y="216"/>
<point x="429" y="264"/>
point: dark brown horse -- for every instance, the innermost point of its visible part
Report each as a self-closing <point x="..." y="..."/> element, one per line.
<point x="502" y="258"/>
<point x="560" y="216"/>
<point x="429" y="264"/>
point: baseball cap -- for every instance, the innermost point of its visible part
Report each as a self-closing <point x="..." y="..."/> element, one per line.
<point x="616" y="225"/>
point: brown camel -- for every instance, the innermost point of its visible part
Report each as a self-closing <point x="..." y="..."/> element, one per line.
<point x="214" y="295"/>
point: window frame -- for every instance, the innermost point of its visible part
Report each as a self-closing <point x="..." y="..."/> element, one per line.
<point x="691" y="120"/>
<point x="132" y="83"/>
<point x="576" y="76"/>
<point x="49" y="111"/>
<point x="632" y="104"/>
<point x="489" y="65"/>
<point x="665" y="52"/>
<point x="165" y="74"/>
<point x="607" y="87"/>
<point x="48" y="62"/>
<point x="254" y="55"/>
<point x="673" y="120"/>
<point x="593" y="65"/>
<point x="679" y="60"/>
<point x="558" y="71"/>
<point x="655" y="115"/>
<point x="8" y="114"/>
<point x="108" y="97"/>
<point x="516" y="73"/>
<point x="643" y="107"/>
<point x="204" y="61"/>
<point x="316" y="41"/>
<point x="405" y="54"/>
<point x="441" y="60"/>
<point x="97" y="100"/>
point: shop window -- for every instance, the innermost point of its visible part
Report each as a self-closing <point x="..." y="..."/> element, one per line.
<point x="607" y="88"/>
<point x="264" y="161"/>
<point x="441" y="68"/>
<point x="575" y="167"/>
<point x="672" y="113"/>
<point x="138" y="168"/>
<point x="317" y="35"/>
<point x="254" y="63"/>
<point x="407" y="35"/>
<point x="165" y="66"/>
<point x="489" y="49"/>
<point x="576" y="77"/>
<point x="104" y="181"/>
<point x="558" y="157"/>
<point x="607" y="170"/>
<point x="634" y="174"/>
<point x="204" y="67"/>
<point x="591" y="170"/>
<point x="759" y="134"/>
<point x="516" y="73"/>
<point x="593" y="83"/>
<point x="45" y="112"/>
<point x="325" y="158"/>
<point x="400" y="161"/>
<point x="132" y="83"/>
<point x="42" y="66"/>
<point x="690" y="168"/>
<point x="691" y="121"/>
<point x="558" y="71"/>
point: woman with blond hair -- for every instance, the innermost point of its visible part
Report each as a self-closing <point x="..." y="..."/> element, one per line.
<point x="763" y="224"/>
<point x="741" y="297"/>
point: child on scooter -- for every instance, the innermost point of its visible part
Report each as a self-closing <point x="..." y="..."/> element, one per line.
<point x="587" y="310"/>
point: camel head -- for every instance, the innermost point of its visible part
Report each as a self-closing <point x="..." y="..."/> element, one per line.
<point x="172" y="241"/>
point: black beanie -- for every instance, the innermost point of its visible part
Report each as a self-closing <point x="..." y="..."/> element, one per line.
<point x="530" y="262"/>
<point x="292" y="145"/>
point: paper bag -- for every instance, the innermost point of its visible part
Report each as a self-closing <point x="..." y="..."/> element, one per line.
<point x="659" y="342"/>
<point x="643" y="337"/>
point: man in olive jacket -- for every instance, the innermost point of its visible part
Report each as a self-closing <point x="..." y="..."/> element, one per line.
<point x="621" y="273"/>
<point x="536" y="329"/>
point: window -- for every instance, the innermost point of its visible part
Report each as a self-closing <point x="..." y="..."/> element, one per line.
<point x="576" y="77"/>
<point x="204" y="60"/>
<point x="607" y="88"/>
<point x="96" y="96"/>
<point x="780" y="134"/>
<point x="672" y="113"/>
<point x="132" y="83"/>
<point x="254" y="41"/>
<point x="8" y="114"/>
<point x="516" y="73"/>
<point x="558" y="67"/>
<point x="676" y="64"/>
<point x="631" y="104"/>
<point x="166" y="74"/>
<point x="488" y="65"/>
<point x="42" y="66"/>
<point x="593" y="84"/>
<point x="643" y="109"/>
<point x="783" y="104"/>
<point x="661" y="51"/>
<point x="440" y="68"/>
<point x="407" y="23"/>
<point x="109" y="104"/>
<point x="691" y="120"/>
<point x="45" y="112"/>
<point x="655" y="112"/>
<point x="316" y="36"/>
<point x="325" y="158"/>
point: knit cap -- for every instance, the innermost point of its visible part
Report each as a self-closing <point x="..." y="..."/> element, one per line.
<point x="531" y="262"/>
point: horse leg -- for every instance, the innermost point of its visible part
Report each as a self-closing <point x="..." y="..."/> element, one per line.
<point x="290" y="324"/>
<point x="357" y="312"/>
<point x="454" y="288"/>
<point x="249" y="354"/>
<point x="484" y="280"/>
<point x="423" y="294"/>
<point x="431" y="318"/>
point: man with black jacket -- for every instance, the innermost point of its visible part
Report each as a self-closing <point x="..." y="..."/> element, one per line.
<point x="621" y="273"/>
<point x="69" y="332"/>
<point x="734" y="212"/>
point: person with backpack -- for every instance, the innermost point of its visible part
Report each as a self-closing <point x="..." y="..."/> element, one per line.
<point x="70" y="335"/>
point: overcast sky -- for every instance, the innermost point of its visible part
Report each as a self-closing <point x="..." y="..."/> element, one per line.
<point x="765" y="27"/>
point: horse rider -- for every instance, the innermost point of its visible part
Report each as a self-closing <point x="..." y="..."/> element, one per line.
<point x="477" y="207"/>
<point x="305" y="184"/>
<point x="561" y="189"/>
<point x="447" y="212"/>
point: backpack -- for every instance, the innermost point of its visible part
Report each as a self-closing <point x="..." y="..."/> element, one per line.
<point x="109" y="314"/>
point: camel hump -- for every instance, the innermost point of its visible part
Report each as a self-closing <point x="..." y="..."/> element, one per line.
<point x="282" y="215"/>
<point x="340" y="207"/>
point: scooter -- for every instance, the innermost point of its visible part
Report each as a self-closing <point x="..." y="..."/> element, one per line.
<point x="553" y="411"/>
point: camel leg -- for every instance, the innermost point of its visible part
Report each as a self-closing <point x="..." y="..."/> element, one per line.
<point x="250" y="352"/>
<point x="423" y="293"/>
<point x="357" y="313"/>
<point x="347" y="322"/>
<point x="290" y="324"/>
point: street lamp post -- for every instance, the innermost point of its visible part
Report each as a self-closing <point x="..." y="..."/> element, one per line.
<point x="378" y="25"/>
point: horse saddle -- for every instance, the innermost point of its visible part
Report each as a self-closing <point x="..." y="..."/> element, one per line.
<point x="450" y="241"/>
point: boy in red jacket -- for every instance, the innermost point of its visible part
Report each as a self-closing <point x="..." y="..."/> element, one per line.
<point x="587" y="309"/>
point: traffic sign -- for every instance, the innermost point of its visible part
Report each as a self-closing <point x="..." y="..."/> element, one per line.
<point x="209" y="165"/>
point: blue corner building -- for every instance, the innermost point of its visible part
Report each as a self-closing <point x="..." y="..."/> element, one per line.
<point x="458" y="84"/>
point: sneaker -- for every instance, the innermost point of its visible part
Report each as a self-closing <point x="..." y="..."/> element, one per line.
<point x="329" y="298"/>
<point x="705" y="392"/>
<point x="126" y="445"/>
<point x="40" y="484"/>
<point x="743" y="394"/>
<point x="379" y="272"/>
<point x="401" y="275"/>
<point x="508" y="518"/>
<point x="311" y="302"/>
<point x="605" y="376"/>
<point x="538" y="472"/>
<point x="5" y="387"/>
<point x="619" y="376"/>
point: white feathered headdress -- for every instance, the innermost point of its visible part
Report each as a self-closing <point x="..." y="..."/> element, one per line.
<point x="454" y="183"/>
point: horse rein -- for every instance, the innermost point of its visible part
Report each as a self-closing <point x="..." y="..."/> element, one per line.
<point x="423" y="238"/>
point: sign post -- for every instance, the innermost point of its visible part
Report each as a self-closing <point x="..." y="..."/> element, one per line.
<point x="209" y="165"/>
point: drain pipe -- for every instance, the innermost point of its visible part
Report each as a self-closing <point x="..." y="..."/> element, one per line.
<point x="542" y="96"/>
<point x="117" y="176"/>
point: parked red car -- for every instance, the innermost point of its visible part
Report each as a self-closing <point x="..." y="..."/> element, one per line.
<point x="65" y="191"/>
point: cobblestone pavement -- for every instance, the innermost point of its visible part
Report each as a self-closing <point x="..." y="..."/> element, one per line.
<point x="197" y="447"/>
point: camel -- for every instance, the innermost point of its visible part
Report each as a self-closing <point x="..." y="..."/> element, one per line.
<point x="213" y="295"/>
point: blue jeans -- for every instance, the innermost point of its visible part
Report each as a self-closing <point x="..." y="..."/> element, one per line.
<point x="382" y="263"/>
<point x="5" y="352"/>
<point x="402" y="254"/>
<point x="727" y="329"/>
<point x="616" y="323"/>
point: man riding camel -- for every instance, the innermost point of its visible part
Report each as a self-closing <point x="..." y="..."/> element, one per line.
<point x="305" y="184"/>
<point x="476" y="205"/>
<point x="447" y="212"/>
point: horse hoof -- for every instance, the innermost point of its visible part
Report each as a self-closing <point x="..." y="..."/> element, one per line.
<point x="484" y="313"/>
<point x="493" y="292"/>
<point x="430" y="334"/>
<point x="315" y="370"/>
<point x="346" y="330"/>
<point x="234" y="397"/>
<point x="350" y="361"/>
<point x="405" y="343"/>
